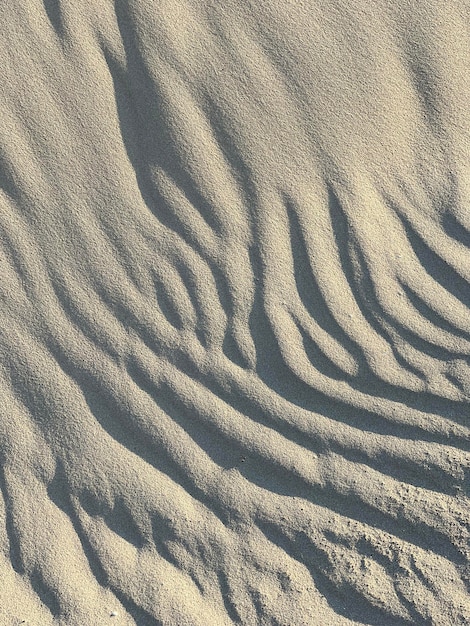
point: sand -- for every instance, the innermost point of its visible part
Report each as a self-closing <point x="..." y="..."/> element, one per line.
<point x="234" y="312"/>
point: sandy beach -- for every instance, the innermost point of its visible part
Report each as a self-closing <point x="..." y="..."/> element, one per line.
<point x="234" y="313"/>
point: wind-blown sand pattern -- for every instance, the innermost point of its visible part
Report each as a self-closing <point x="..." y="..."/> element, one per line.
<point x="234" y="324"/>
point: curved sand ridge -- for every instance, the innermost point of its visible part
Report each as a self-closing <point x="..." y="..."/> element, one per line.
<point x="234" y="330"/>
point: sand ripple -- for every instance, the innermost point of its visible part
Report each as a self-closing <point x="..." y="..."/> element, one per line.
<point x="234" y="326"/>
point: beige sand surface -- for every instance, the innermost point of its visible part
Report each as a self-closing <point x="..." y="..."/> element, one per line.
<point x="234" y="312"/>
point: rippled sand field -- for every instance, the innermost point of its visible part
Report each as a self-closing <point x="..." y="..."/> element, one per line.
<point x="234" y="312"/>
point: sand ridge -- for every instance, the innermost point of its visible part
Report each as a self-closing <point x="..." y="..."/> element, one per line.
<point x="234" y="330"/>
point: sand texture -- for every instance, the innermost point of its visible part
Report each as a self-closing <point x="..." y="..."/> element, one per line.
<point x="234" y="312"/>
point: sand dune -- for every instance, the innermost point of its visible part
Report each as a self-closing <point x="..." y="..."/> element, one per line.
<point x="234" y="313"/>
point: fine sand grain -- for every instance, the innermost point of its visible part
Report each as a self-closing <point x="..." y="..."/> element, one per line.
<point x="234" y="312"/>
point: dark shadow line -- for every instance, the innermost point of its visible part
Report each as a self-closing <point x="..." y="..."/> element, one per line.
<point x="345" y="601"/>
<point x="232" y="351"/>
<point x="221" y="449"/>
<point x="58" y="491"/>
<point x="157" y="145"/>
<point x="318" y="358"/>
<point x="137" y="142"/>
<point x="227" y="143"/>
<point x="425" y="87"/>
<point x="434" y="479"/>
<point x="112" y="418"/>
<point x="454" y="229"/>
<point x="149" y="114"/>
<point x="162" y="533"/>
<point x="362" y="287"/>
<point x="48" y="596"/>
<point x="433" y="316"/>
<point x="8" y="180"/>
<point x="435" y="266"/>
<point x="202" y="329"/>
<point x="456" y="382"/>
<point x="117" y="425"/>
<point x="72" y="312"/>
<point x="277" y="376"/>
<point x="439" y="353"/>
<point x="16" y="559"/>
<point x="283" y="481"/>
<point x="422" y="400"/>
<point x="214" y="444"/>
<point x="243" y="177"/>
<point x="308" y="289"/>
<point x="54" y="14"/>
<point x="331" y="409"/>
<point x="121" y="522"/>
<point x="167" y="305"/>
<point x="229" y="604"/>
<point x="367" y="549"/>
<point x="241" y="405"/>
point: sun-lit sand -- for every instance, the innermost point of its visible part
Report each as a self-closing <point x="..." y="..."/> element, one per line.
<point x="234" y="313"/>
